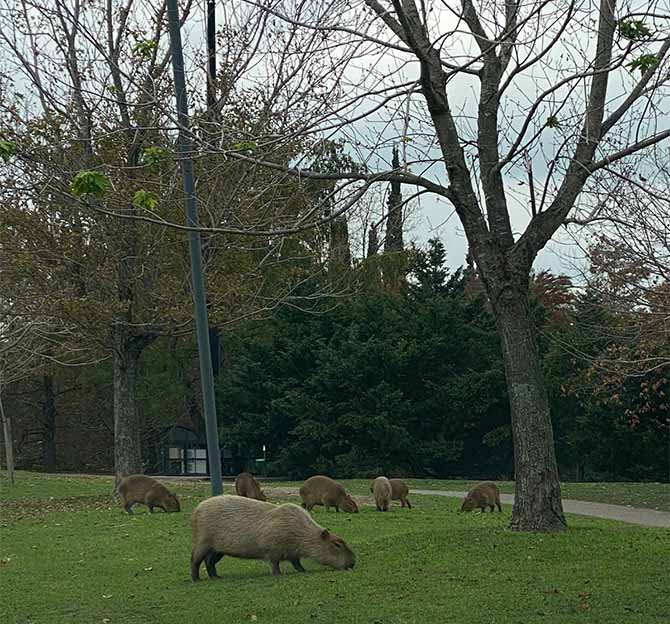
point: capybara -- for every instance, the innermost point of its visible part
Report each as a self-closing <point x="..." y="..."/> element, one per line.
<point x="251" y="529"/>
<point x="320" y="490"/>
<point x="146" y="491"/>
<point x="483" y="495"/>
<point x="400" y="491"/>
<point x="246" y="485"/>
<point x="381" y="490"/>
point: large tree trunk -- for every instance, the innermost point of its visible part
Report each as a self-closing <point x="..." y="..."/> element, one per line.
<point x="49" y="421"/>
<point x="127" y="445"/>
<point x="537" y="502"/>
<point x="9" y="441"/>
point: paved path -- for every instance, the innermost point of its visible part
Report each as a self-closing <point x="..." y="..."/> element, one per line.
<point x="632" y="515"/>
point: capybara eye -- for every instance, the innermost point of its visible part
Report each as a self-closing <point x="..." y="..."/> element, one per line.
<point x="337" y="545"/>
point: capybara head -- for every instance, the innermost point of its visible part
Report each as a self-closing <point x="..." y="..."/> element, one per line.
<point x="335" y="553"/>
<point x="468" y="504"/>
<point x="171" y="502"/>
<point x="261" y="495"/>
<point x="349" y="504"/>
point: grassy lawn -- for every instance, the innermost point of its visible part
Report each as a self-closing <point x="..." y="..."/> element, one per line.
<point x="69" y="554"/>
<point x="38" y="486"/>
<point x="649" y="495"/>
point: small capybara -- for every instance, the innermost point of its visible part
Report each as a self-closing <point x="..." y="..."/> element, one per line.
<point x="146" y="491"/>
<point x="247" y="485"/>
<point x="251" y="529"/>
<point x="320" y="490"/>
<point x="483" y="495"/>
<point x="381" y="490"/>
<point x="400" y="491"/>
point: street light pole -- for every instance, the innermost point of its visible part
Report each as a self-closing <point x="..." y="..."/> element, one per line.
<point x="198" y="285"/>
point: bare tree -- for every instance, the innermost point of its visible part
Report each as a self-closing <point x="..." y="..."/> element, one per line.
<point x="512" y="114"/>
<point x="85" y="109"/>
<point x="560" y="94"/>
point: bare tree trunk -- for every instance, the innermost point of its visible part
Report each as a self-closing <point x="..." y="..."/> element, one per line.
<point x="127" y="446"/>
<point x="537" y="503"/>
<point x="9" y="443"/>
<point x="49" y="421"/>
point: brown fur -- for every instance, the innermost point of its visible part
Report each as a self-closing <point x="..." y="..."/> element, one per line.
<point x="381" y="490"/>
<point x="247" y="485"/>
<point x="320" y="490"/>
<point x="400" y="491"/>
<point x="250" y="529"/>
<point x="483" y="495"/>
<point x="146" y="491"/>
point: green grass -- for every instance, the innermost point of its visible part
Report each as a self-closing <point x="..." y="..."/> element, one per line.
<point x="68" y="558"/>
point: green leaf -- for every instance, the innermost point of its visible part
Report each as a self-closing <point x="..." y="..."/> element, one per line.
<point x="7" y="149"/>
<point x="644" y="63"/>
<point x="635" y="30"/>
<point x="552" y="122"/>
<point x="144" y="48"/>
<point x="155" y="157"/>
<point x="145" y="199"/>
<point x="89" y="183"/>
<point x="243" y="146"/>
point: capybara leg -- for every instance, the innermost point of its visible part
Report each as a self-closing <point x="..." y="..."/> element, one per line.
<point x="408" y="503"/>
<point x="197" y="557"/>
<point x="275" y="568"/>
<point x="210" y="563"/>
<point x="498" y="504"/>
<point x="151" y="508"/>
<point x="129" y="508"/>
<point x="297" y="565"/>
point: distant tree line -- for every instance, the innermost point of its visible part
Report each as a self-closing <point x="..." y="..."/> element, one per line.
<point x="412" y="383"/>
<point x="404" y="377"/>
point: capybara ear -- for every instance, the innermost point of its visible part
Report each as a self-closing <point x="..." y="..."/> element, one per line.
<point x="325" y="534"/>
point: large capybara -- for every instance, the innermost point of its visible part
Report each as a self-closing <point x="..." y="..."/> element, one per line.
<point x="483" y="495"/>
<point x="400" y="491"/>
<point x="247" y="485"/>
<point x="320" y="490"/>
<point x="146" y="491"/>
<point x="381" y="490"/>
<point x="251" y="529"/>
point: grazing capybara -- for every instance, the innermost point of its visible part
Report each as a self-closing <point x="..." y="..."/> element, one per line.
<point x="381" y="490"/>
<point x="146" y="491"/>
<point x="483" y="495"/>
<point x="251" y="529"/>
<point x="320" y="490"/>
<point x="246" y="485"/>
<point x="400" y="491"/>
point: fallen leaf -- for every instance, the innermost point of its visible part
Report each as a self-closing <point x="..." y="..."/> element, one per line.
<point x="148" y="569"/>
<point x="107" y="596"/>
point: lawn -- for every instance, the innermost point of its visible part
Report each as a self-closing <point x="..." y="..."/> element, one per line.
<point x="69" y="554"/>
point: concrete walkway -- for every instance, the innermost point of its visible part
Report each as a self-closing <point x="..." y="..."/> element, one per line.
<point x="632" y="515"/>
